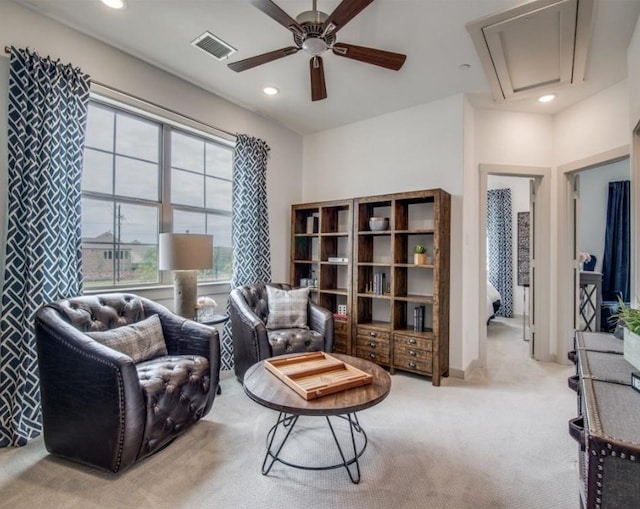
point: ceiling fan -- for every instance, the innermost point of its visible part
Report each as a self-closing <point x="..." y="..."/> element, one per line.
<point x="315" y="32"/>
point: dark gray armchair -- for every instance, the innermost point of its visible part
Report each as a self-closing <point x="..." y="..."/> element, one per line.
<point x="252" y="341"/>
<point x="100" y="407"/>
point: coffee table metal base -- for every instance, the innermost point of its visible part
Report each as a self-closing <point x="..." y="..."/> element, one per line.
<point x="349" y="454"/>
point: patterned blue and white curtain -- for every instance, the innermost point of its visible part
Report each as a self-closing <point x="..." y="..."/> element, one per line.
<point x="47" y="118"/>
<point x="249" y="223"/>
<point x="500" y="249"/>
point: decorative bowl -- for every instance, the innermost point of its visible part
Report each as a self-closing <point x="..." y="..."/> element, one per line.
<point x="377" y="224"/>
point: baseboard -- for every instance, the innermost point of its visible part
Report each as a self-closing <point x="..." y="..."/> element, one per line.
<point x="464" y="373"/>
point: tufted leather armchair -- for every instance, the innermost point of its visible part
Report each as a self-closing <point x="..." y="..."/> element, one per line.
<point x="252" y="341"/>
<point x="102" y="409"/>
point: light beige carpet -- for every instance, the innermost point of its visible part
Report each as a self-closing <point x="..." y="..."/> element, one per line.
<point x="498" y="440"/>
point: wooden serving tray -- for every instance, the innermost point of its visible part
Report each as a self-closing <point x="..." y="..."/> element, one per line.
<point x="316" y="374"/>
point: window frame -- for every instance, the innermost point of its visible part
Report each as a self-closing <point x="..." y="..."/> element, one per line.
<point x="168" y="122"/>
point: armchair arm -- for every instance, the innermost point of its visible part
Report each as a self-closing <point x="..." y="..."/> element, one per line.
<point x="91" y="388"/>
<point x="321" y="320"/>
<point x="250" y="342"/>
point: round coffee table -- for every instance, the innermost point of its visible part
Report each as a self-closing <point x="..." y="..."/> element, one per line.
<point x="266" y="389"/>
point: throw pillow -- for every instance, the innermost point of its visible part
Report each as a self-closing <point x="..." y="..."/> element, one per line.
<point x="141" y="341"/>
<point x="287" y="308"/>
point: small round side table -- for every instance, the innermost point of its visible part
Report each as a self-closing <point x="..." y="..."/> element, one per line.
<point x="215" y="319"/>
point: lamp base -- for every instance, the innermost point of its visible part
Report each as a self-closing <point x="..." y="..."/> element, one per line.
<point x="185" y="289"/>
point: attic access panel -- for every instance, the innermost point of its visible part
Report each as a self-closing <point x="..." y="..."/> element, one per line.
<point x="533" y="48"/>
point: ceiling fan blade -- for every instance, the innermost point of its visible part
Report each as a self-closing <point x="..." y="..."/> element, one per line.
<point x="345" y="12"/>
<point x="277" y="14"/>
<point x="248" y="63"/>
<point x="387" y="59"/>
<point x="318" y="86"/>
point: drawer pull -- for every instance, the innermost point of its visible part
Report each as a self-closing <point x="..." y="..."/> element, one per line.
<point x="372" y="356"/>
<point x="411" y="341"/>
<point x="372" y="344"/>
<point x="411" y="364"/>
<point x="372" y="334"/>
<point x="412" y="352"/>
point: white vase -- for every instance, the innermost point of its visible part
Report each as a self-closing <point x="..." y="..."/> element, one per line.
<point x="632" y="348"/>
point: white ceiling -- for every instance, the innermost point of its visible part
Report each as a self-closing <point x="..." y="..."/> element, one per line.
<point x="430" y="32"/>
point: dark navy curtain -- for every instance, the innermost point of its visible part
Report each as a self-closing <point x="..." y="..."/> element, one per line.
<point x="500" y="250"/>
<point x="47" y="118"/>
<point x="249" y="223"/>
<point x="616" y="262"/>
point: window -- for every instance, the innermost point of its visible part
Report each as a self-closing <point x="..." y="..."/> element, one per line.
<point x="140" y="173"/>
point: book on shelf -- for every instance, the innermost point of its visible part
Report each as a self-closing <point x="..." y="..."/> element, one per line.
<point x="340" y="316"/>
<point x="338" y="259"/>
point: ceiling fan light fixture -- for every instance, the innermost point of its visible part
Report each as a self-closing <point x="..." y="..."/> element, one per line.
<point x="271" y="90"/>
<point x="115" y="4"/>
<point x="314" y="46"/>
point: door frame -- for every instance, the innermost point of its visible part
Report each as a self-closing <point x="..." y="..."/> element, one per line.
<point x="567" y="265"/>
<point x="543" y="347"/>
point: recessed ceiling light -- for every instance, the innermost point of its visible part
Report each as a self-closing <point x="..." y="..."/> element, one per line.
<point x="547" y="98"/>
<point x="270" y="90"/>
<point x="464" y="67"/>
<point x="114" y="4"/>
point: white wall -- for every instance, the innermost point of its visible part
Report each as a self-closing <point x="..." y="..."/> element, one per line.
<point x="22" y="28"/>
<point x="592" y="126"/>
<point x="519" y="203"/>
<point x="594" y="195"/>
<point x="415" y="148"/>
<point x="633" y="77"/>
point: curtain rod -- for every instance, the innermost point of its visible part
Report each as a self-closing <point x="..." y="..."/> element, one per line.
<point x="7" y="51"/>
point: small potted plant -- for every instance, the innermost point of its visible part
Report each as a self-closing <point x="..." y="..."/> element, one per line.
<point x="630" y="318"/>
<point x="419" y="255"/>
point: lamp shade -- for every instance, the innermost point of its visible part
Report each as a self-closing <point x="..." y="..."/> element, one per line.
<point x="185" y="251"/>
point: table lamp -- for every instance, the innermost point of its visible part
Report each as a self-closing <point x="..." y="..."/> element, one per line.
<point x="184" y="253"/>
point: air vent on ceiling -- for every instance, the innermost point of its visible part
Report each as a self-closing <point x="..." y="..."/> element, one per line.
<point x="214" y="46"/>
<point x="534" y="48"/>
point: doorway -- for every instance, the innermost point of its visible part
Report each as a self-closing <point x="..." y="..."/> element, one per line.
<point x="568" y="280"/>
<point x="540" y="260"/>
<point x="508" y="270"/>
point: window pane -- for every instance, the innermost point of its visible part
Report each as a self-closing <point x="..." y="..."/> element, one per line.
<point x="97" y="242"/>
<point x="219" y="161"/>
<point x="220" y="228"/>
<point x="100" y="127"/>
<point x="192" y="222"/>
<point x="218" y="194"/>
<point x="137" y="138"/>
<point x="187" y="152"/>
<point x="137" y="248"/>
<point x="137" y="223"/>
<point x="136" y="179"/>
<point x="187" y="188"/>
<point x="97" y="172"/>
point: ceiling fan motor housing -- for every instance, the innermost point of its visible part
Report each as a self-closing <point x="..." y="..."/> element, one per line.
<point x="312" y="40"/>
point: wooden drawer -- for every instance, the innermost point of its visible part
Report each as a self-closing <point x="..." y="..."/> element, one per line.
<point x="413" y="342"/>
<point x="370" y="333"/>
<point x="340" y="342"/>
<point x="411" y="363"/>
<point x="340" y="326"/>
<point x="411" y="351"/>
<point x="373" y="355"/>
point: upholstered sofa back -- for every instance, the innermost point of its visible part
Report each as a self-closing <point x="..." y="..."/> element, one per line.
<point x="97" y="313"/>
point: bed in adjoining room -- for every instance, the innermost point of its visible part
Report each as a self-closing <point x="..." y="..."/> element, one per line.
<point x="493" y="301"/>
